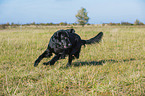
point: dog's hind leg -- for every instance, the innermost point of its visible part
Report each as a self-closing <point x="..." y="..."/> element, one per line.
<point x="53" y="60"/>
<point x="46" y="53"/>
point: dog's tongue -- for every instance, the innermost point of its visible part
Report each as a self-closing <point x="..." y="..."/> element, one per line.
<point x="65" y="47"/>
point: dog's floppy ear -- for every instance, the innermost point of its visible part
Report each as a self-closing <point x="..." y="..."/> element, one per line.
<point x="70" y="30"/>
<point x="59" y="35"/>
<point x="55" y="35"/>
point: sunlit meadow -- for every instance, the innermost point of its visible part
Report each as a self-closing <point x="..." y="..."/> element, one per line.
<point x="115" y="66"/>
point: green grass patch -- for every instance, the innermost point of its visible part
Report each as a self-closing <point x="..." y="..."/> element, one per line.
<point x="116" y="66"/>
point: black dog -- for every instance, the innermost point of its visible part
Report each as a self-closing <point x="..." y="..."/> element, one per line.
<point x="65" y="42"/>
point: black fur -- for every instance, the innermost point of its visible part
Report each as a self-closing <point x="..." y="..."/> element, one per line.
<point x="65" y="42"/>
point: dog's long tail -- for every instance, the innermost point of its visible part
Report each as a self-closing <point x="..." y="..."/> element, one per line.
<point x="95" y="39"/>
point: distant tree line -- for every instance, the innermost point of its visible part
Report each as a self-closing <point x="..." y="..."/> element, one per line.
<point x="137" y="22"/>
<point x="13" y="25"/>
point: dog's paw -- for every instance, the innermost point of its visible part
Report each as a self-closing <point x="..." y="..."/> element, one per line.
<point x="36" y="63"/>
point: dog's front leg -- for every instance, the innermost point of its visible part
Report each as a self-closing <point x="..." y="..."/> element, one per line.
<point x="69" y="60"/>
<point x="53" y="60"/>
<point x="46" y="53"/>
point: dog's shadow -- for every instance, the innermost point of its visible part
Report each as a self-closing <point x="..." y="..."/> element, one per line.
<point x="81" y="63"/>
<point x="101" y="62"/>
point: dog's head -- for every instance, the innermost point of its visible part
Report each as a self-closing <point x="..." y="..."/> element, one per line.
<point x="62" y="39"/>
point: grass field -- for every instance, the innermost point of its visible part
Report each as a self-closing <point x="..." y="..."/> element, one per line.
<point x="116" y="66"/>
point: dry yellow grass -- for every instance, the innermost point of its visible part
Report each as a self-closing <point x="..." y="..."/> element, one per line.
<point x="116" y="66"/>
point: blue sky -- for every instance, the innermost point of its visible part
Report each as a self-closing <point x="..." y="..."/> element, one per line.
<point x="56" y="11"/>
